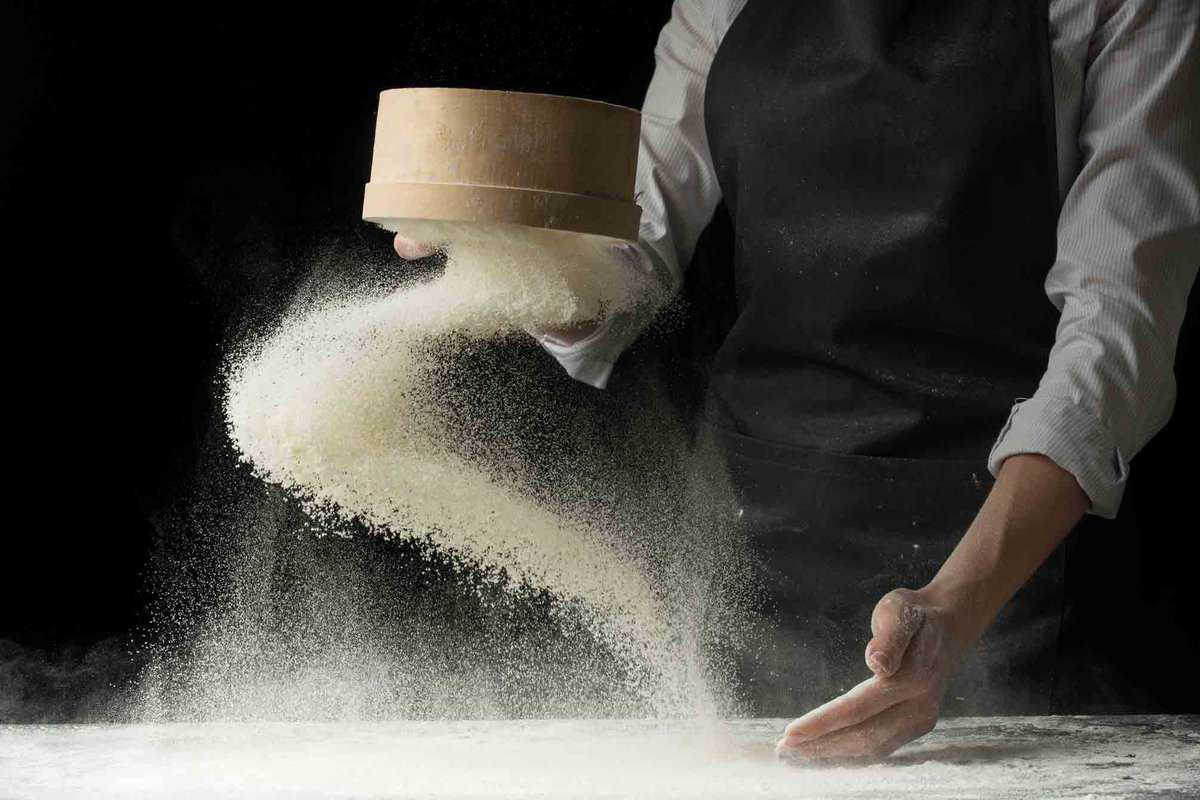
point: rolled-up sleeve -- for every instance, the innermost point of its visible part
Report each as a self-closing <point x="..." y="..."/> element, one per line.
<point x="1128" y="253"/>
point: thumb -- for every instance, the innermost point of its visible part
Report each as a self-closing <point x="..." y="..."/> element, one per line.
<point x="896" y="619"/>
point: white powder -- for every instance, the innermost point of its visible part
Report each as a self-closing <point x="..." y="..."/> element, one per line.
<point x="990" y="759"/>
<point x="335" y="406"/>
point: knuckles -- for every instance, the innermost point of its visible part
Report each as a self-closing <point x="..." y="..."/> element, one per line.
<point x="899" y="607"/>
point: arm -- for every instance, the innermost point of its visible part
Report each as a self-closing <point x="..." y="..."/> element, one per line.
<point x="1031" y="508"/>
<point x="1128" y="252"/>
<point x="919" y="638"/>
<point x="676" y="183"/>
<point x="1129" y="248"/>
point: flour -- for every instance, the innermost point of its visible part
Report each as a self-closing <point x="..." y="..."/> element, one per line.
<point x="335" y="405"/>
<point x="990" y="759"/>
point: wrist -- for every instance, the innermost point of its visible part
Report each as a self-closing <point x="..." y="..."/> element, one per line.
<point x="1032" y="507"/>
<point x="967" y="605"/>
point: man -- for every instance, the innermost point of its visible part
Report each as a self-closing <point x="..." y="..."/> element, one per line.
<point x="909" y="183"/>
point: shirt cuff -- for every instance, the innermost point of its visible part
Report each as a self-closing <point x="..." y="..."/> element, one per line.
<point x="591" y="359"/>
<point x="1074" y="439"/>
<point x="583" y="360"/>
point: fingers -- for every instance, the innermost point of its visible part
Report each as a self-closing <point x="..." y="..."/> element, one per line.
<point x="895" y="622"/>
<point x="912" y="659"/>
<point x="410" y="249"/>
<point x="864" y="701"/>
<point x="871" y="739"/>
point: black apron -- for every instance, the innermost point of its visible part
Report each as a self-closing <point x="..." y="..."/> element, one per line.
<point x="889" y="168"/>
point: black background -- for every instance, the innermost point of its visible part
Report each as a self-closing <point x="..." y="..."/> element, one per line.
<point x="163" y="169"/>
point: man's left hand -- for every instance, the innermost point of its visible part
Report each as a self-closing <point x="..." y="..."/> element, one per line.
<point x="921" y="637"/>
<point x="917" y="646"/>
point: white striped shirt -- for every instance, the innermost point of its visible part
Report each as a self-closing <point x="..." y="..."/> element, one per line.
<point x="1127" y="95"/>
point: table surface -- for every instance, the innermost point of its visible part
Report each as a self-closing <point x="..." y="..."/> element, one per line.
<point x="986" y="758"/>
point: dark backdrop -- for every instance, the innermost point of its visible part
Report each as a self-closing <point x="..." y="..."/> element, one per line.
<point x="161" y="171"/>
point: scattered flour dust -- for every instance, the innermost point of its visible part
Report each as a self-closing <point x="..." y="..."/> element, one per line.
<point x="332" y="405"/>
<point x="1030" y="758"/>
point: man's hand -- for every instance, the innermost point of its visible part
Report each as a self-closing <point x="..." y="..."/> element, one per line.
<point x="411" y="250"/>
<point x="921" y="637"/>
<point x="917" y="646"/>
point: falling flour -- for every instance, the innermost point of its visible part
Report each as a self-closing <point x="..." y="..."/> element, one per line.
<point x="335" y="405"/>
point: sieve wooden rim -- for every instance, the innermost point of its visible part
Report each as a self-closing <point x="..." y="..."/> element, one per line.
<point x="450" y="202"/>
<point x="536" y="160"/>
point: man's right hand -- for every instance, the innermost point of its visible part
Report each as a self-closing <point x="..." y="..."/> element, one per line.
<point x="411" y="249"/>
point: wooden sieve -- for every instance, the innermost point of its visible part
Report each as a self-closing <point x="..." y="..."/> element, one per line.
<point x="541" y="161"/>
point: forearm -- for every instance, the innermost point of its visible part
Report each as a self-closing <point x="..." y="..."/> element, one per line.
<point x="1032" y="507"/>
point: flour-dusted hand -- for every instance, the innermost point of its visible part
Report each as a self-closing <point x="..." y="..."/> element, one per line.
<point x="919" y="638"/>
<point x="568" y="336"/>
<point x="917" y="647"/>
